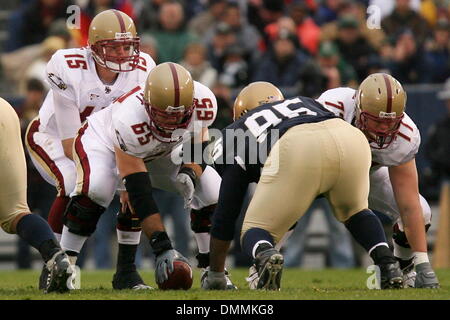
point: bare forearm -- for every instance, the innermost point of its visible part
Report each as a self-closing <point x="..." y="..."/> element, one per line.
<point x="152" y="224"/>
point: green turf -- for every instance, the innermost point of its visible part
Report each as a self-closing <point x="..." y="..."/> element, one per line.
<point x="296" y="284"/>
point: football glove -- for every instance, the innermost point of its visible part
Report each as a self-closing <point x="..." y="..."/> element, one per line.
<point x="164" y="264"/>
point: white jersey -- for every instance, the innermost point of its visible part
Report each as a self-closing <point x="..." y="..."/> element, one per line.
<point x="71" y="73"/>
<point x="126" y="124"/>
<point x="341" y="101"/>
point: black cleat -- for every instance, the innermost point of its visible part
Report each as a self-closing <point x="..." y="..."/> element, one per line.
<point x="59" y="273"/>
<point x="43" y="278"/>
<point x="129" y="280"/>
<point x="391" y="276"/>
<point x="269" y="264"/>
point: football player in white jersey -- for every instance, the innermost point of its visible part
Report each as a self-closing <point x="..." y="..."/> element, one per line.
<point x="377" y="109"/>
<point x="84" y="81"/>
<point x="134" y="139"/>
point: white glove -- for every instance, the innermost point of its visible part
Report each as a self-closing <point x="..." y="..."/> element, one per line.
<point x="185" y="187"/>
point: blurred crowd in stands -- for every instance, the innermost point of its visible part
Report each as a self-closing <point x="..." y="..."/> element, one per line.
<point x="302" y="46"/>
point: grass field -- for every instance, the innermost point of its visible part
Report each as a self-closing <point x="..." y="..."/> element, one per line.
<point x="296" y="285"/>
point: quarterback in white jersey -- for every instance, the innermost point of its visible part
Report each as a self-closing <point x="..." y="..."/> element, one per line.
<point x="377" y="108"/>
<point x="83" y="81"/>
<point x="133" y="140"/>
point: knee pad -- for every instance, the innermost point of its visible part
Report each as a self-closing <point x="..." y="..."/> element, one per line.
<point x="399" y="236"/>
<point x="127" y="221"/>
<point x="201" y="219"/>
<point x="81" y="215"/>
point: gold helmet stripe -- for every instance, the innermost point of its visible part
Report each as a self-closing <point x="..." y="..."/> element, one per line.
<point x="121" y="22"/>
<point x="388" y="93"/>
<point x="176" y="85"/>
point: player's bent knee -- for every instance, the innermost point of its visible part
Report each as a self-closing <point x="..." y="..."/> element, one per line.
<point x="201" y="219"/>
<point x="70" y="179"/>
<point x="9" y="224"/>
<point x="82" y="215"/>
<point x="426" y="210"/>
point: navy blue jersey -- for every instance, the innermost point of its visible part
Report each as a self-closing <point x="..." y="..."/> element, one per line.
<point x="244" y="147"/>
<point x="248" y="141"/>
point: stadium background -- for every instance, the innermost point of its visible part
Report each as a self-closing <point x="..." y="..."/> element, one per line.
<point x="304" y="47"/>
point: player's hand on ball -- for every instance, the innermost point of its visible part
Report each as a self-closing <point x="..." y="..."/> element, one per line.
<point x="164" y="264"/>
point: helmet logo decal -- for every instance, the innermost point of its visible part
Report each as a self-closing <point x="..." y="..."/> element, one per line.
<point x="123" y="35"/>
<point x="175" y="109"/>
<point x="389" y="115"/>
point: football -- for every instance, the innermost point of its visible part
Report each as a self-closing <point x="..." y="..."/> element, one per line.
<point x="180" y="278"/>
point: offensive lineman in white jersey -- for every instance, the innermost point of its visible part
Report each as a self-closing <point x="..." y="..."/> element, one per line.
<point x="377" y="108"/>
<point x="84" y="81"/>
<point x="134" y="140"/>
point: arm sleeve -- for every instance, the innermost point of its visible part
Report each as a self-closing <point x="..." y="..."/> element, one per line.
<point x="231" y="197"/>
<point x="205" y="105"/>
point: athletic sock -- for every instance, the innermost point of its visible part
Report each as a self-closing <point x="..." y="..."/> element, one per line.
<point x="37" y="233"/>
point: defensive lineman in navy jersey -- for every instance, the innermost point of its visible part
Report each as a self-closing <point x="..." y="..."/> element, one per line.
<point x="310" y="152"/>
<point x="262" y="128"/>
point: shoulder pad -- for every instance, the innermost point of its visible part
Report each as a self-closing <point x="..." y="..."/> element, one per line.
<point x="205" y="104"/>
<point x="130" y="123"/>
<point x="64" y="70"/>
<point x="340" y="101"/>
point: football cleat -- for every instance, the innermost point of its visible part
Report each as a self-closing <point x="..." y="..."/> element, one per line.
<point x="409" y="275"/>
<point x="269" y="264"/>
<point x="123" y="280"/>
<point x="230" y="285"/>
<point x="43" y="278"/>
<point x="391" y="275"/>
<point x="209" y="282"/>
<point x="216" y="284"/>
<point x="59" y="273"/>
<point x="409" y="279"/>
<point x="426" y="277"/>
<point x="252" y="278"/>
